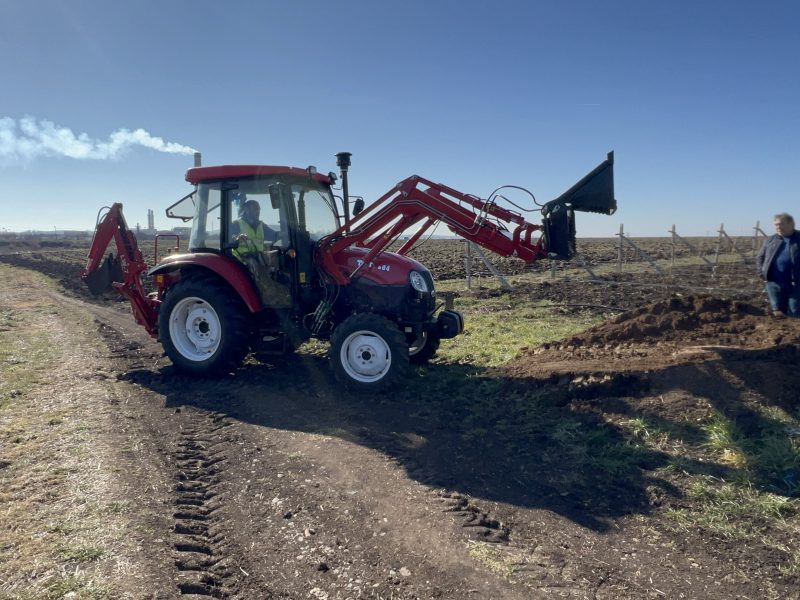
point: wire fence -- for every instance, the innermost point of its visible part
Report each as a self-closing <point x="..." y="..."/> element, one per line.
<point x="720" y="265"/>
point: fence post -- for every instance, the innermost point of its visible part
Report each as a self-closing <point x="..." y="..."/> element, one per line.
<point x="620" y="250"/>
<point x="643" y="254"/>
<point x="468" y="264"/>
<point x="582" y="263"/>
<point x="719" y="246"/>
<point x="672" y="231"/>
<point x="676" y="237"/>
<point x="492" y="269"/>
<point x="756" y="229"/>
<point x="734" y="245"/>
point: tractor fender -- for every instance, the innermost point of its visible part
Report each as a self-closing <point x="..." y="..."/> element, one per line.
<point x="227" y="269"/>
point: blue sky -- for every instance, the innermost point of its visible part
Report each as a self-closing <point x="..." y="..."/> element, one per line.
<point x="699" y="100"/>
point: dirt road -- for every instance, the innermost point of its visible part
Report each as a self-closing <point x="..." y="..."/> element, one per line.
<point x="276" y="484"/>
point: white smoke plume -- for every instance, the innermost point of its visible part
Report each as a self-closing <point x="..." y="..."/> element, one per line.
<point x="30" y="138"/>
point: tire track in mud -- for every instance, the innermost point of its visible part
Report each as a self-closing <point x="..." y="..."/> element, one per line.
<point x="479" y="524"/>
<point x="200" y="548"/>
<point x="200" y="552"/>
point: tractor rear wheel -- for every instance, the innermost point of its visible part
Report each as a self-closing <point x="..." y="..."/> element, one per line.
<point x="203" y="327"/>
<point x="368" y="352"/>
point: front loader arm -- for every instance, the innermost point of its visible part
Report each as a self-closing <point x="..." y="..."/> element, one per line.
<point x="123" y="272"/>
<point x="418" y="201"/>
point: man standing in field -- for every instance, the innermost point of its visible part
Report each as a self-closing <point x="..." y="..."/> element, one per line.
<point x="779" y="266"/>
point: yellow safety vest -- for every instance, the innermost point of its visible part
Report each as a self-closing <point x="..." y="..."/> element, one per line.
<point x="255" y="239"/>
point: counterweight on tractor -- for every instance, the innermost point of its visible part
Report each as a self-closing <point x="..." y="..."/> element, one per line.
<point x="317" y="272"/>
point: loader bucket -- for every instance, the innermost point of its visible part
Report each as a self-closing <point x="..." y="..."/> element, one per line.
<point x="593" y="193"/>
<point x="99" y="281"/>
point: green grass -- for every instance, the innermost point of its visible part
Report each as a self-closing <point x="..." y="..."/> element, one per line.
<point x="25" y="355"/>
<point x="499" y="560"/>
<point x="77" y="587"/>
<point x="116" y="508"/>
<point x="725" y="439"/>
<point x="81" y="552"/>
<point x="44" y="494"/>
<point x="755" y="503"/>
<point x="24" y="362"/>
<point x="498" y="329"/>
<point x="735" y="511"/>
<point x="722" y="434"/>
<point x="771" y="456"/>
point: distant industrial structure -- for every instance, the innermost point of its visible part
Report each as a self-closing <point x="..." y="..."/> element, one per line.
<point x="151" y="230"/>
<point x="145" y="233"/>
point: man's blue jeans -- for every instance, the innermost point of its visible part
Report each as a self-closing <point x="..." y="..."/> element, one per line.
<point x="784" y="298"/>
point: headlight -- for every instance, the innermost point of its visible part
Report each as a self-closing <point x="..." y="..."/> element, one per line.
<point x="418" y="282"/>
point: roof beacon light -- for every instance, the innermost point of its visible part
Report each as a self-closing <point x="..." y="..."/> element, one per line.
<point x="312" y="170"/>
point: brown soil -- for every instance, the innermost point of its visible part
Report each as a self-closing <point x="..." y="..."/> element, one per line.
<point x="277" y="484"/>
<point x="664" y="333"/>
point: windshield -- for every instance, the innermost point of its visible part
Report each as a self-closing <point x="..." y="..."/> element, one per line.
<point x="285" y="203"/>
<point x="315" y="203"/>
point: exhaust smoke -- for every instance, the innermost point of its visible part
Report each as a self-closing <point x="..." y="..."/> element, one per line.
<point x="29" y="138"/>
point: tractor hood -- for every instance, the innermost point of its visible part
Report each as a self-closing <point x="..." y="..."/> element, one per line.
<point x="387" y="268"/>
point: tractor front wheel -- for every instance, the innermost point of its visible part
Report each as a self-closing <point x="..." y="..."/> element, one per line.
<point x="203" y="327"/>
<point x="423" y="347"/>
<point x="368" y="352"/>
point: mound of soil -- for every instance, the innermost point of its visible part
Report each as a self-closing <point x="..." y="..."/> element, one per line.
<point x="694" y="319"/>
<point x="665" y="332"/>
<point x="703" y="318"/>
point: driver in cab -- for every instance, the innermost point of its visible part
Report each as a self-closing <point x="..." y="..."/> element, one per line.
<point x="250" y="231"/>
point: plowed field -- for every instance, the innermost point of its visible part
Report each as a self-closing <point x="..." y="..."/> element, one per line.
<point x="654" y="455"/>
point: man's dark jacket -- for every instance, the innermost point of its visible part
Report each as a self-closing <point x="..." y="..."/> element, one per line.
<point x="770" y="248"/>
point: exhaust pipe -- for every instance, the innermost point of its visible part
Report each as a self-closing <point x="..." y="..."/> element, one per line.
<point x="198" y="159"/>
<point x="343" y="162"/>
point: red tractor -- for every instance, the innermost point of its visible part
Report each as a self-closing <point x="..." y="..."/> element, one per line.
<point x="310" y="270"/>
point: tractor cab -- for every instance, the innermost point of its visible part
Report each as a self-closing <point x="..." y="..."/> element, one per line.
<point x="290" y="200"/>
<point x="266" y="218"/>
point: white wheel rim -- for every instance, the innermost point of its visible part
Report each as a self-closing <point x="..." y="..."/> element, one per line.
<point x="365" y="356"/>
<point x="194" y="328"/>
<point x="418" y="343"/>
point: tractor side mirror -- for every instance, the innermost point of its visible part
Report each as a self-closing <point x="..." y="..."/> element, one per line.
<point x="274" y="196"/>
<point x="358" y="206"/>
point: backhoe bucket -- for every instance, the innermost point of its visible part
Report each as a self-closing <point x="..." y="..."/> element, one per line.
<point x="99" y="281"/>
<point x="593" y="193"/>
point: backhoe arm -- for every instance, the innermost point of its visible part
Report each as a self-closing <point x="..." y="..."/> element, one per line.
<point x="420" y="202"/>
<point x="122" y="272"/>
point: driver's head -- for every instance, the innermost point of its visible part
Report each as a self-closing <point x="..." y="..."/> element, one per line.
<point x="251" y="211"/>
